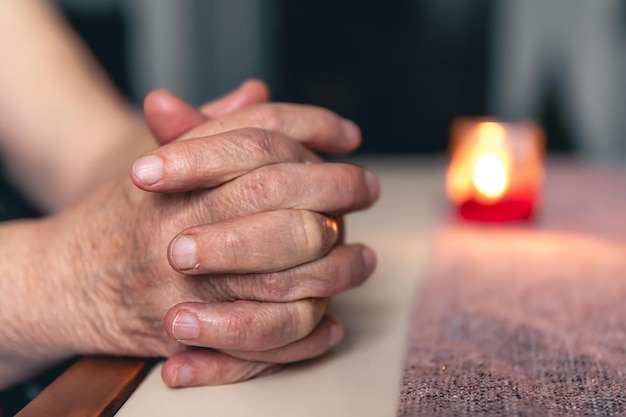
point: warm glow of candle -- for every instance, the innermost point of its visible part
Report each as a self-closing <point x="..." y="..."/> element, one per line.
<point x="490" y="177"/>
<point x="491" y="134"/>
<point x="495" y="172"/>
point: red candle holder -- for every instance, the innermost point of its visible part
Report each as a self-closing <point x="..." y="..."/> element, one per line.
<point x="496" y="170"/>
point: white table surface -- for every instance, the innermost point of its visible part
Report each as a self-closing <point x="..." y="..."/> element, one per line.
<point x="362" y="376"/>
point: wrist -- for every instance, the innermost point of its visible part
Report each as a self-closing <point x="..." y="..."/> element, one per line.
<point x="29" y="302"/>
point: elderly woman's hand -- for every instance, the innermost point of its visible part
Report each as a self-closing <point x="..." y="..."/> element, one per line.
<point x="242" y="265"/>
<point x="270" y="136"/>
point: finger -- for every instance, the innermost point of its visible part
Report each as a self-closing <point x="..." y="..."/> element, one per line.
<point x="318" y="128"/>
<point x="196" y="367"/>
<point x="264" y="242"/>
<point x="169" y="116"/>
<point x="327" y="334"/>
<point x="208" y="162"/>
<point x="332" y="188"/>
<point x="244" y="325"/>
<point x="345" y="267"/>
<point x="249" y="92"/>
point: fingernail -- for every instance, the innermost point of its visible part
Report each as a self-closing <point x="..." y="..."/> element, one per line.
<point x="369" y="260"/>
<point x="336" y="332"/>
<point x="149" y="169"/>
<point x="373" y="186"/>
<point x="183" y="376"/>
<point x="351" y="130"/>
<point x="185" y="254"/>
<point x="185" y="326"/>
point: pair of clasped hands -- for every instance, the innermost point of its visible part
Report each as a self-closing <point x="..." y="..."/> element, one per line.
<point x="250" y="216"/>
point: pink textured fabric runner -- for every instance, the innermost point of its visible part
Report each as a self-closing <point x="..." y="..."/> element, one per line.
<point x="527" y="320"/>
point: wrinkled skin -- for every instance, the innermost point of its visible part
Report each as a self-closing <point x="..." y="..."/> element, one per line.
<point x="266" y="258"/>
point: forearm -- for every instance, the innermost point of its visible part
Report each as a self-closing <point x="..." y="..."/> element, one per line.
<point x="28" y="285"/>
<point x="63" y="126"/>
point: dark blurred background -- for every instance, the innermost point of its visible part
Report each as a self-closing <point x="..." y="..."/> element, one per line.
<point x="402" y="69"/>
<point x="390" y="67"/>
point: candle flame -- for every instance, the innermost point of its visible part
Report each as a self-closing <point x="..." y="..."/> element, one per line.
<point x="489" y="176"/>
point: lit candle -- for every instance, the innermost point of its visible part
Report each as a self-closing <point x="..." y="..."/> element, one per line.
<point x="496" y="170"/>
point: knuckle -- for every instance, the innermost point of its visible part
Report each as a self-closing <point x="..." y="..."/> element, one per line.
<point x="293" y="319"/>
<point x="307" y="232"/>
<point x="242" y="144"/>
<point x="337" y="272"/>
<point x="237" y="328"/>
<point x="232" y="245"/>
<point x="260" y="142"/>
<point x="261" y="327"/>
<point x="279" y="286"/>
<point x="304" y="315"/>
<point x="272" y="287"/>
<point x="264" y="189"/>
<point x="188" y="158"/>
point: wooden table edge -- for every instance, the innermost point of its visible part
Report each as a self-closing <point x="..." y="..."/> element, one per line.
<point x="91" y="387"/>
